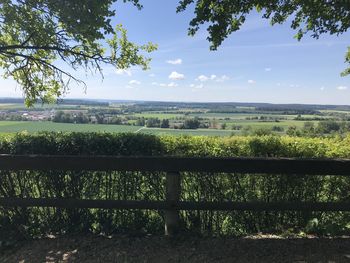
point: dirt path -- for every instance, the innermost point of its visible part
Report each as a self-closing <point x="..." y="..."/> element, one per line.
<point x="190" y="249"/>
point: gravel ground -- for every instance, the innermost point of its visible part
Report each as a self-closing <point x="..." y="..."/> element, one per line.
<point x="89" y="248"/>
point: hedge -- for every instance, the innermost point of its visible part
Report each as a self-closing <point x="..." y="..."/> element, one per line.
<point x="36" y="222"/>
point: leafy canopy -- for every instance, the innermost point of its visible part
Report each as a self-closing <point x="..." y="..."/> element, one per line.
<point x="41" y="41"/>
<point x="308" y="16"/>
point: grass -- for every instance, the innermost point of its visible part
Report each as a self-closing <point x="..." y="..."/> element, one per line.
<point x="204" y="132"/>
<point x="267" y="124"/>
<point x="8" y="127"/>
<point x="158" y="115"/>
<point x="31" y="126"/>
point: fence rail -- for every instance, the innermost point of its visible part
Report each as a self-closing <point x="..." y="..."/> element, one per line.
<point x="173" y="166"/>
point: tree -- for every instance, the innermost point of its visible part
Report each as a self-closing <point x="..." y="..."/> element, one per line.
<point x="42" y="41"/>
<point x="192" y="123"/>
<point x="330" y="126"/>
<point x="140" y="121"/>
<point x="227" y="16"/>
<point x="153" y="122"/>
<point x="164" y="123"/>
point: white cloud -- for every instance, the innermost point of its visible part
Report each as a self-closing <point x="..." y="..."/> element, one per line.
<point x="129" y="87"/>
<point x="294" y="86"/>
<point x="176" y="76"/>
<point x="175" y="61"/>
<point x="202" y="78"/>
<point x="123" y="72"/>
<point x="172" y="84"/>
<point x="322" y="88"/>
<point x="222" y="78"/>
<point x="268" y="69"/>
<point x="250" y="81"/>
<point x="134" y="82"/>
<point x="342" y="88"/>
<point x="152" y="75"/>
<point x="200" y="86"/>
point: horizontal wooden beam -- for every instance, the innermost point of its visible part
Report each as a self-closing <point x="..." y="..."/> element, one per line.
<point x="183" y="205"/>
<point x="181" y="164"/>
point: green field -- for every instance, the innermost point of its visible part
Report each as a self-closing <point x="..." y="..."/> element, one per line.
<point x="36" y="126"/>
<point x="31" y="127"/>
<point x="158" y="115"/>
<point x="267" y="124"/>
<point x="205" y="132"/>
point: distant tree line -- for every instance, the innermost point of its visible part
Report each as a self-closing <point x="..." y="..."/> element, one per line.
<point x="328" y="127"/>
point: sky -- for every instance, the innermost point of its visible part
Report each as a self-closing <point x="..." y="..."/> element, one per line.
<point x="260" y="63"/>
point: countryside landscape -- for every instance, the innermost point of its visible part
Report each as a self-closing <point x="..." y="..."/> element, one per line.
<point x="174" y="131"/>
<point x="175" y="118"/>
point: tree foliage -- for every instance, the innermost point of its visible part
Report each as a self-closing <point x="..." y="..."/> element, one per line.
<point x="42" y="41"/>
<point x="316" y="17"/>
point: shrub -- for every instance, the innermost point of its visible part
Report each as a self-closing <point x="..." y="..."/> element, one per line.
<point x="33" y="222"/>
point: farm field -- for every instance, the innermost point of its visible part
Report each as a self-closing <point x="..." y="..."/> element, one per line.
<point x="198" y="132"/>
<point x="36" y="126"/>
<point x="7" y="127"/>
<point x="267" y="124"/>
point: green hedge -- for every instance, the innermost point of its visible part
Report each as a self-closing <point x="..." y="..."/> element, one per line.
<point x="33" y="222"/>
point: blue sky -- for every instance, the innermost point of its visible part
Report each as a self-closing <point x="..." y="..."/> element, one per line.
<point x="260" y="63"/>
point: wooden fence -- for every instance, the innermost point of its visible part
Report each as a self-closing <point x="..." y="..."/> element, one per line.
<point x="173" y="166"/>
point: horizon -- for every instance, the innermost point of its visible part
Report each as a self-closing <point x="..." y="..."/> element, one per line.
<point x="163" y="101"/>
<point x="258" y="63"/>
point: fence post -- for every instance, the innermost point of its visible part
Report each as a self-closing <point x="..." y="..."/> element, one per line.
<point x="172" y="194"/>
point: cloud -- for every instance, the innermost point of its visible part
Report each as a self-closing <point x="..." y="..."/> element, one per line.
<point x="175" y="61"/>
<point x="176" y="76"/>
<point x="222" y="78"/>
<point x="268" y="69"/>
<point x="294" y="86"/>
<point x="342" y="88"/>
<point x="134" y="82"/>
<point x="120" y="71"/>
<point x="129" y="87"/>
<point x="152" y="75"/>
<point x="204" y="78"/>
<point x="200" y="86"/>
<point x="172" y="85"/>
<point x="322" y="88"/>
<point x="250" y="81"/>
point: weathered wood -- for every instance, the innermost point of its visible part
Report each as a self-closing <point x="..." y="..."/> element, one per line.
<point x="168" y="164"/>
<point x="172" y="195"/>
<point x="182" y="205"/>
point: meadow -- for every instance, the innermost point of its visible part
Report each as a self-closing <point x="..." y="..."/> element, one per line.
<point x="9" y="127"/>
<point x="38" y="126"/>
